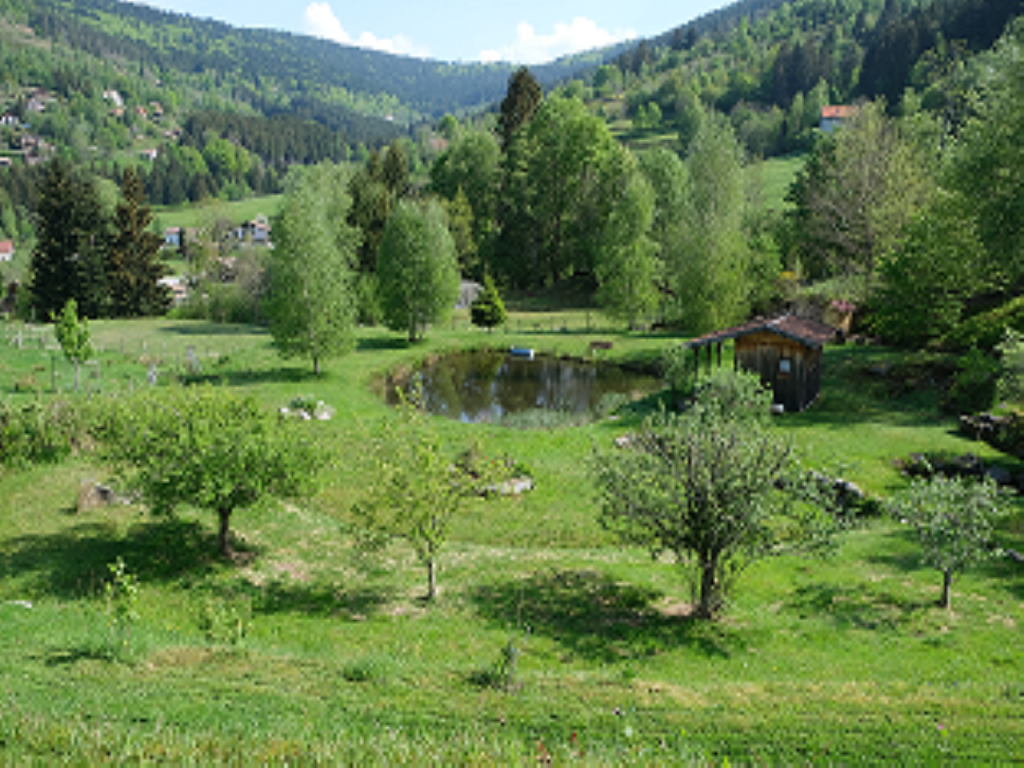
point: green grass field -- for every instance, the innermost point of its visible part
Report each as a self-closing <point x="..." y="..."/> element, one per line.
<point x="305" y="650"/>
<point x="199" y="215"/>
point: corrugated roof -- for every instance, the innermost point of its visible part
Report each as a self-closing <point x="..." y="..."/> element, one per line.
<point x="808" y="332"/>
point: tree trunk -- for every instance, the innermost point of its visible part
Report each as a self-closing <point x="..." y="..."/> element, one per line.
<point x="76" y="375"/>
<point x="431" y="579"/>
<point x="316" y="365"/>
<point x="947" y="584"/>
<point x="224" y="535"/>
<point x="708" y="599"/>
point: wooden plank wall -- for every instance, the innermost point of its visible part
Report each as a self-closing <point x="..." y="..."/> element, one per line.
<point x="762" y="352"/>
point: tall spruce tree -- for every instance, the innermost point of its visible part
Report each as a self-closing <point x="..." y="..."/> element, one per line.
<point x="133" y="266"/>
<point x="519" y="105"/>
<point x="71" y="230"/>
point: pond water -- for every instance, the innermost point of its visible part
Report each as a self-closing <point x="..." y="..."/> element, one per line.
<point x="489" y="386"/>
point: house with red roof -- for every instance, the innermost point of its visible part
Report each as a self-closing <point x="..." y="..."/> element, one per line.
<point x="834" y="116"/>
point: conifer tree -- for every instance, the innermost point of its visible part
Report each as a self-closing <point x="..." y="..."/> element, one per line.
<point x="133" y="267"/>
<point x="71" y="230"/>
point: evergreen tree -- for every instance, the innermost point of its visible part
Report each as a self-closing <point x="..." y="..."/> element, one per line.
<point x="519" y="105"/>
<point x="488" y="310"/>
<point x="395" y="170"/>
<point x="133" y="266"/>
<point x="71" y="229"/>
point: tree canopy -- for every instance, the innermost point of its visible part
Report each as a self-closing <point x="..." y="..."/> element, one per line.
<point x="417" y="269"/>
<point x="312" y="297"/>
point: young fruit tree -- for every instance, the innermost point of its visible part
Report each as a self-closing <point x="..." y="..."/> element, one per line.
<point x="953" y="520"/>
<point x="715" y="491"/>
<point x="416" y="489"/>
<point x="73" y="336"/>
<point x="209" y="448"/>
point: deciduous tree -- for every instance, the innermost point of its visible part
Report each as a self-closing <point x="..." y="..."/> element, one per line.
<point x="953" y="520"/>
<point x="417" y="269"/>
<point x="416" y="489"/>
<point x="210" y="448"/>
<point x="627" y="264"/>
<point x="707" y="263"/>
<point x="311" y="301"/>
<point x="715" y="487"/>
<point x="74" y="337"/>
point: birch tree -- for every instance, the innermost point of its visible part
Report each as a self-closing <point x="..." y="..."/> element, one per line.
<point x="311" y="297"/>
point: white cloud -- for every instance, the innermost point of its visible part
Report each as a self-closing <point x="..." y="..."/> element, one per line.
<point x="530" y="48"/>
<point x="320" y="21"/>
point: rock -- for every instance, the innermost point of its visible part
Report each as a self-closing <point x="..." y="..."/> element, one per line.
<point x="92" y="495"/>
<point x="966" y="465"/>
<point x="999" y="475"/>
<point x="513" y="487"/>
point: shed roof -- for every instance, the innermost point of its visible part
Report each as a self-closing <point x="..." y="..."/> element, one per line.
<point x="810" y="333"/>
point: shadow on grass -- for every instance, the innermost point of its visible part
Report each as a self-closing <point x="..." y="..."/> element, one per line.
<point x="210" y="328"/>
<point x="378" y="343"/>
<point x="316" y="599"/>
<point x="854" y="607"/>
<point x="597" y="618"/>
<point x="253" y="377"/>
<point x="73" y="563"/>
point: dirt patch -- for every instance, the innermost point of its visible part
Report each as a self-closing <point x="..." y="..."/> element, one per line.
<point x="671" y="607"/>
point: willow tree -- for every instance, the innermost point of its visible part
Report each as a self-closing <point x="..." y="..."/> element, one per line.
<point x="311" y="296"/>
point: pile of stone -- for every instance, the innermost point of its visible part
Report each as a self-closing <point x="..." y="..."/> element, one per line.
<point x="967" y="465"/>
<point x="1003" y="432"/>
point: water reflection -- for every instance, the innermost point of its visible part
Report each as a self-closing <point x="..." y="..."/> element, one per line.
<point x="486" y="386"/>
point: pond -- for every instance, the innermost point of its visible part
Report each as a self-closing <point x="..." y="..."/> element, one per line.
<point x="490" y="386"/>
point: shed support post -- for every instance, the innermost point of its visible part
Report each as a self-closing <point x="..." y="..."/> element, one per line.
<point x="719" y="352"/>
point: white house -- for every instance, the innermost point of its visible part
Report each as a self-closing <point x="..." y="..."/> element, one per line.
<point x="6" y="250"/>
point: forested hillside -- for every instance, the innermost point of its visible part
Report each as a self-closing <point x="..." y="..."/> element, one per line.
<point x="771" y="66"/>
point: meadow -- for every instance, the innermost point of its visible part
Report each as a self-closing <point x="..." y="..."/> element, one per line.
<point x="305" y="648"/>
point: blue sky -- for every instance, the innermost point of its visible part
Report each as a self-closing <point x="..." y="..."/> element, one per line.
<point x="527" y="32"/>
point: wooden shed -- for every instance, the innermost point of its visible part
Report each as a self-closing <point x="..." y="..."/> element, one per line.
<point x="785" y="351"/>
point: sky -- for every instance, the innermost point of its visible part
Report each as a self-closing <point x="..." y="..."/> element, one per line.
<point x="523" y="32"/>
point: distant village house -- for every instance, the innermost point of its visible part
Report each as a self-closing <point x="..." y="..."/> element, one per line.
<point x="834" y="116"/>
<point x="6" y="250"/>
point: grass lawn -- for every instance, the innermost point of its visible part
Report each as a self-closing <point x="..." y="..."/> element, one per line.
<point x="775" y="175"/>
<point x="303" y="649"/>
<point x="200" y="214"/>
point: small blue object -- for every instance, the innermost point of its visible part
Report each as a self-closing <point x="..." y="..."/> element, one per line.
<point x="521" y="352"/>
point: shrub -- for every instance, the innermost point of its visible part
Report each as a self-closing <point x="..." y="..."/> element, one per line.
<point x="974" y="388"/>
<point x="39" y="431"/>
<point x="988" y="329"/>
<point x="488" y="310"/>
